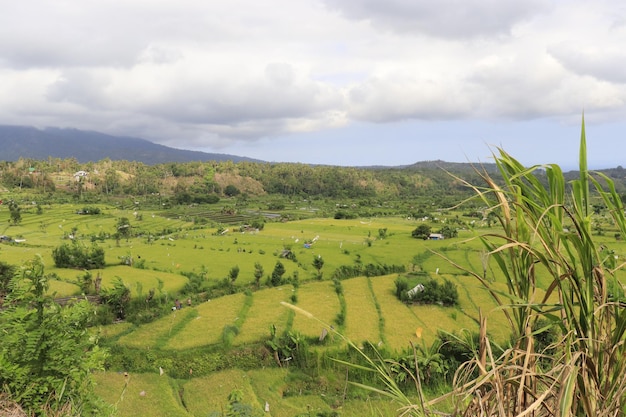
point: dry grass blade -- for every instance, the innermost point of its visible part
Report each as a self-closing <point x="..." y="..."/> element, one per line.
<point x="9" y="408"/>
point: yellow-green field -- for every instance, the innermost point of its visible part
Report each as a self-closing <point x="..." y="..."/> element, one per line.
<point x="140" y="394"/>
<point x="266" y="311"/>
<point x="206" y="328"/>
<point x="157" y="395"/>
<point x="168" y="249"/>
<point x="319" y="299"/>
<point x="361" y="316"/>
<point x="401" y="322"/>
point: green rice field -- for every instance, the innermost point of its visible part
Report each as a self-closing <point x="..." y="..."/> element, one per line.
<point x="165" y="250"/>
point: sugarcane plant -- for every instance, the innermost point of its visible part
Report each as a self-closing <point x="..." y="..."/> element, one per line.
<point x="558" y="278"/>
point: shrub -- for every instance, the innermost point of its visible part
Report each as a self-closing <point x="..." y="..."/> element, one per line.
<point x="448" y="232"/>
<point x="277" y="274"/>
<point x="78" y="256"/>
<point x="427" y="292"/>
<point x="89" y="210"/>
<point x="231" y="190"/>
<point x="402" y="286"/>
<point x="117" y="298"/>
<point x="46" y="354"/>
<point x="369" y="270"/>
<point x="341" y="214"/>
<point x="421" y="232"/>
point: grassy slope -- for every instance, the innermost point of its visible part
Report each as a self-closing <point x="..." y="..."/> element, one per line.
<point x="339" y="242"/>
<point x="319" y="299"/>
<point x="140" y="394"/>
<point x="165" y="397"/>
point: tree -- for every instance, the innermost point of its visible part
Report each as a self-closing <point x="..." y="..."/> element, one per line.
<point x="117" y="297"/>
<point x="258" y="273"/>
<point x="46" y="355"/>
<point x="123" y="228"/>
<point x="277" y="274"/>
<point x="421" y="232"/>
<point x="233" y="274"/>
<point x="231" y="190"/>
<point x="449" y="232"/>
<point x="6" y="275"/>
<point x="75" y="255"/>
<point x="15" y="212"/>
<point x="318" y="264"/>
<point x="111" y="181"/>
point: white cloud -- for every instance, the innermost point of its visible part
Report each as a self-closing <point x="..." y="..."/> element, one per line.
<point x="216" y="73"/>
<point x="400" y="96"/>
<point x="601" y="62"/>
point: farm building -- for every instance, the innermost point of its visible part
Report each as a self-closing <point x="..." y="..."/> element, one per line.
<point x="436" y="236"/>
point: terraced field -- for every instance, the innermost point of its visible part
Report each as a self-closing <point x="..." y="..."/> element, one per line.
<point x="166" y="249"/>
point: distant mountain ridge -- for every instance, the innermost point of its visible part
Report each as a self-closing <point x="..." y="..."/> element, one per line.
<point x="29" y="142"/>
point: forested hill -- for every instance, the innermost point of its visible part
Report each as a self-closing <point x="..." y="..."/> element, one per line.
<point x="28" y="142"/>
<point x="115" y="168"/>
<point x="201" y="182"/>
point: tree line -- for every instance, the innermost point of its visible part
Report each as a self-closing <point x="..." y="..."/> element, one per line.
<point x="203" y="182"/>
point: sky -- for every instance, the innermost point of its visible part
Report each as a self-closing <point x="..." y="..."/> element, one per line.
<point x="340" y="82"/>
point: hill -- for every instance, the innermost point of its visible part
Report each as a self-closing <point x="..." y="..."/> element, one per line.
<point x="29" y="142"/>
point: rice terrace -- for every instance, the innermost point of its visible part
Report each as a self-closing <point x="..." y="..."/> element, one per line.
<point x="249" y="289"/>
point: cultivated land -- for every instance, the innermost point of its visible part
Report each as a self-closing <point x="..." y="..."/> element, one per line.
<point x="165" y="249"/>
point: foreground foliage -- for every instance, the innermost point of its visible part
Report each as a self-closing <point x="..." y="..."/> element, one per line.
<point x="546" y="232"/>
<point x="46" y="355"/>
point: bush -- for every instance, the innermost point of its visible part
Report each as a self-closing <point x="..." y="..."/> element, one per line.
<point x="345" y="215"/>
<point x="89" y="210"/>
<point x="421" y="232"/>
<point x="231" y="190"/>
<point x="78" y="256"/>
<point x="428" y="292"/>
<point x="369" y="270"/>
<point x="402" y="286"/>
<point x="448" y="232"/>
<point x="47" y="355"/>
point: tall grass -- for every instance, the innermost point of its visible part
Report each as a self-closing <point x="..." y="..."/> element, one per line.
<point x="545" y="237"/>
<point x="546" y="225"/>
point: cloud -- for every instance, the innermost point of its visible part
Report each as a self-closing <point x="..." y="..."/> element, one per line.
<point x="217" y="73"/>
<point x="231" y="103"/>
<point x="599" y="61"/>
<point x="400" y="96"/>
<point x="452" y="19"/>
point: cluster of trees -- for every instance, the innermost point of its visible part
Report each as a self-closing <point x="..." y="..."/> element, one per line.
<point x="195" y="182"/>
<point x="423" y="231"/>
<point x="75" y="255"/>
<point x="368" y="270"/>
<point x="427" y="291"/>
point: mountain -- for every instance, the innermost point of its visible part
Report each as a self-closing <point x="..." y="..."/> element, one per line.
<point x="29" y="142"/>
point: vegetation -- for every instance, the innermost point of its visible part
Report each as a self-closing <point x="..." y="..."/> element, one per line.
<point x="427" y="291"/>
<point x="74" y="255"/>
<point x="582" y="373"/>
<point x="544" y="230"/>
<point x="421" y="232"/>
<point x="46" y="357"/>
<point x="189" y="291"/>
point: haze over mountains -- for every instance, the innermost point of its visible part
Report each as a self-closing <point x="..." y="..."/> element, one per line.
<point x="29" y="142"/>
